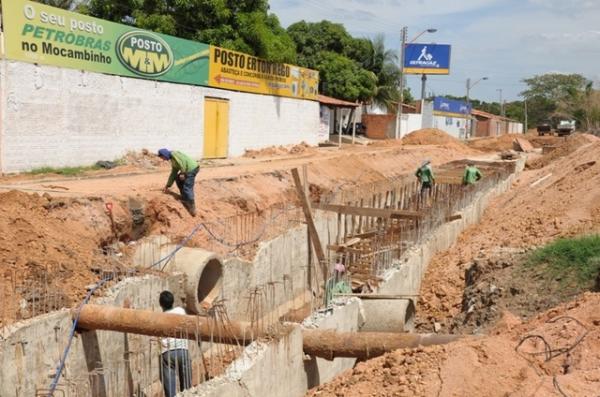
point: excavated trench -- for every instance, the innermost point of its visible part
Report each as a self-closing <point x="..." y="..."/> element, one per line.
<point x="386" y="254"/>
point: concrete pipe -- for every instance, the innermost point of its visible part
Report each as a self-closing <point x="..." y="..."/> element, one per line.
<point x="203" y="269"/>
<point x="204" y="277"/>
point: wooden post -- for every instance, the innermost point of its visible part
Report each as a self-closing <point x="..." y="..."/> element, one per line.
<point x="314" y="236"/>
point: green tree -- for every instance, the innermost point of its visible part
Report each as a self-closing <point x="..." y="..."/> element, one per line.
<point x="555" y="95"/>
<point x="383" y="64"/>
<point x="243" y="25"/>
<point x="342" y="78"/>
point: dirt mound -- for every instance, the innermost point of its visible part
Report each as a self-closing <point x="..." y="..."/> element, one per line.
<point x="50" y="249"/>
<point x="143" y="159"/>
<point x="559" y="200"/>
<point x="434" y="136"/>
<point x="273" y="151"/>
<point x="512" y="362"/>
<point x="429" y="136"/>
<point x="565" y="148"/>
<point x="494" y="144"/>
<point x="506" y="142"/>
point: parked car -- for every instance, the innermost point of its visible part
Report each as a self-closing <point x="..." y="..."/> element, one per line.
<point x="545" y="127"/>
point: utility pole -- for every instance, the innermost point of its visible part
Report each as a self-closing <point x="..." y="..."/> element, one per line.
<point x="501" y="103"/>
<point x="423" y="84"/>
<point x="526" y="127"/>
<point x="403" y="35"/>
<point x="469" y="133"/>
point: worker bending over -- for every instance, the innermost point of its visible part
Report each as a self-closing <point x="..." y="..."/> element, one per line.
<point x="183" y="171"/>
<point x="471" y="175"/>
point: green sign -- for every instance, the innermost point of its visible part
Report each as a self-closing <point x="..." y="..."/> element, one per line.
<point x="41" y="34"/>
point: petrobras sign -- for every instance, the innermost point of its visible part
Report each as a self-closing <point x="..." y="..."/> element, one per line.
<point x="450" y="107"/>
<point x="427" y="59"/>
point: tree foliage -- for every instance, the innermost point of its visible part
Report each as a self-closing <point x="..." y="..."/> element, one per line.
<point x="556" y="95"/>
<point x="350" y="68"/>
<point x="343" y="78"/>
<point x="243" y="25"/>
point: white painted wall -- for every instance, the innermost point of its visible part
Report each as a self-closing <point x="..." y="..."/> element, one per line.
<point x="454" y="126"/>
<point x="410" y="122"/>
<point x="63" y="117"/>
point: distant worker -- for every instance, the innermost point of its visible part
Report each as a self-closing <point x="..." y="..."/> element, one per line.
<point x="425" y="176"/>
<point x="183" y="171"/>
<point x="472" y="174"/>
<point x="175" y="358"/>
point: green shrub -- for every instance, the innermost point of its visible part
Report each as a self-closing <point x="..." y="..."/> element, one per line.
<point x="573" y="260"/>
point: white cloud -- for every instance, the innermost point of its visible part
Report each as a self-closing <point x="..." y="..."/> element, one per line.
<point x="506" y="40"/>
<point x="562" y="6"/>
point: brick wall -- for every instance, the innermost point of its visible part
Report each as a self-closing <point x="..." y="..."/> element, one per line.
<point x="62" y="117"/>
<point x="379" y="126"/>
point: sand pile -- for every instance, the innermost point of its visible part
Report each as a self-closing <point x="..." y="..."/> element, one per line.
<point x="495" y="144"/>
<point x="491" y="366"/>
<point x="434" y="136"/>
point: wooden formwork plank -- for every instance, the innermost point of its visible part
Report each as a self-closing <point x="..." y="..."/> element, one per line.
<point x="314" y="236"/>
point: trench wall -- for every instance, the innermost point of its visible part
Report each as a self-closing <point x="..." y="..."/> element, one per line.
<point x="266" y="371"/>
<point x="100" y="363"/>
<point x="60" y="117"/>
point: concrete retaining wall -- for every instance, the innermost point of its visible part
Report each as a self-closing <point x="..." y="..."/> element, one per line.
<point x="406" y="278"/>
<point x="280" y="368"/>
<point x="352" y="315"/>
<point x="59" y="117"/>
<point x="120" y="363"/>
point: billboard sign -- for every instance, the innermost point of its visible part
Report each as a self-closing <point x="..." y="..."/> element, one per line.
<point x="450" y="107"/>
<point x="234" y="70"/>
<point x="41" y="34"/>
<point x="427" y="59"/>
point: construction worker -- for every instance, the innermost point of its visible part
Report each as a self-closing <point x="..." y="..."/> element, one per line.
<point x="425" y="176"/>
<point x="175" y="358"/>
<point x="471" y="175"/>
<point x="183" y="171"/>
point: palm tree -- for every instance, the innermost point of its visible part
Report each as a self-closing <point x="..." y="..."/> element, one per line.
<point x="383" y="63"/>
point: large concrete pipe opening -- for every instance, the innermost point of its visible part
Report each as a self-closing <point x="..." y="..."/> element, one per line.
<point x="203" y="269"/>
<point x="204" y="277"/>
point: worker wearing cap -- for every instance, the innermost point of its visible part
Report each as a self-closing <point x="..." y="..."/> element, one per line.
<point x="471" y="175"/>
<point x="183" y="171"/>
<point x="175" y="358"/>
<point x="425" y="176"/>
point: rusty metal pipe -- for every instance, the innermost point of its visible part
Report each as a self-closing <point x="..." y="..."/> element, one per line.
<point x="320" y="343"/>
<point x="365" y="345"/>
<point x="145" y="322"/>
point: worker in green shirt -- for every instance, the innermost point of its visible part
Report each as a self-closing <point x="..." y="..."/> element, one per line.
<point x="183" y="171"/>
<point x="471" y="175"/>
<point x="425" y="176"/>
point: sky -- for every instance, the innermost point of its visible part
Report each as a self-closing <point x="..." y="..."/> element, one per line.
<point x="504" y="40"/>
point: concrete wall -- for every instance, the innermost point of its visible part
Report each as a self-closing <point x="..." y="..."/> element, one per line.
<point x="279" y="273"/>
<point x="279" y="368"/>
<point x="63" y="117"/>
<point x="454" y="126"/>
<point x="99" y="363"/>
<point x="410" y="122"/>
